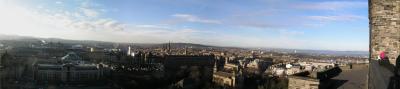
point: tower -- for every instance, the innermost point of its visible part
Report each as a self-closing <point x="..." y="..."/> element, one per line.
<point x="215" y="69"/>
<point x="384" y="20"/>
<point x="185" y="50"/>
<point x="169" y="47"/>
<point x="129" y="51"/>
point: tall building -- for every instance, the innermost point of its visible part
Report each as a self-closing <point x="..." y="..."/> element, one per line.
<point x="169" y="47"/>
<point x="5" y="59"/>
<point x="11" y="66"/>
<point x="130" y="53"/>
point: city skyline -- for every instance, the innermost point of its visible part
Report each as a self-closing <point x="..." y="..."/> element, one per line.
<point x="320" y="25"/>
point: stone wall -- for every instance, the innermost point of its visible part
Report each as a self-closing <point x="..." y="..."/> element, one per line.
<point x="384" y="16"/>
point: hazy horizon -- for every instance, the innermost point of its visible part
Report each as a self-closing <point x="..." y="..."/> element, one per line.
<point x="265" y="48"/>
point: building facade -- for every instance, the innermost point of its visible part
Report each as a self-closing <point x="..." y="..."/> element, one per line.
<point x="67" y="72"/>
<point x="230" y="76"/>
<point x="71" y="69"/>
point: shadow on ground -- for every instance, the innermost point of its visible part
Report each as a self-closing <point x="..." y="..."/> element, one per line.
<point x="332" y="83"/>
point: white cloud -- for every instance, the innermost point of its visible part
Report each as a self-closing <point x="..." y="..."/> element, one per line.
<point x="59" y="2"/>
<point x="34" y="20"/>
<point x="89" y="12"/>
<point x="258" y="24"/>
<point x="192" y="18"/>
<point x="336" y="18"/>
<point x="69" y="25"/>
<point x="331" y="5"/>
<point x="288" y="33"/>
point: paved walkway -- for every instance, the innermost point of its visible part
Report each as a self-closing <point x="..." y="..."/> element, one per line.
<point x="379" y="75"/>
<point x="356" y="78"/>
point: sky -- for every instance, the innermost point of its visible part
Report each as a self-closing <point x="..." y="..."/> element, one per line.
<point x="295" y="24"/>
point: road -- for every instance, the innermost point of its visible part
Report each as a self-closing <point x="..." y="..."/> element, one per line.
<point x="379" y="75"/>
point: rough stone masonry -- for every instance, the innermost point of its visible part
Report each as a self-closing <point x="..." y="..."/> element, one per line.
<point x="384" y="17"/>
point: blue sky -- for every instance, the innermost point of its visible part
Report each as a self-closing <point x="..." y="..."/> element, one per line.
<point x="300" y="24"/>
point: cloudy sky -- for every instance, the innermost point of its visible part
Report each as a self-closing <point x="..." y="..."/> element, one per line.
<point x="301" y="24"/>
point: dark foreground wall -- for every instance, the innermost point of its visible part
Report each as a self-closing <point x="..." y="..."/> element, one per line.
<point x="384" y="16"/>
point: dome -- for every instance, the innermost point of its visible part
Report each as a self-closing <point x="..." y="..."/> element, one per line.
<point x="71" y="57"/>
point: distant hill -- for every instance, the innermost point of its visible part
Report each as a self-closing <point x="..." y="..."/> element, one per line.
<point x="183" y="45"/>
<point x="175" y="45"/>
<point x="320" y="52"/>
<point x="15" y="37"/>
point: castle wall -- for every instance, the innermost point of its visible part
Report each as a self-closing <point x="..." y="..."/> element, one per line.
<point x="384" y="28"/>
